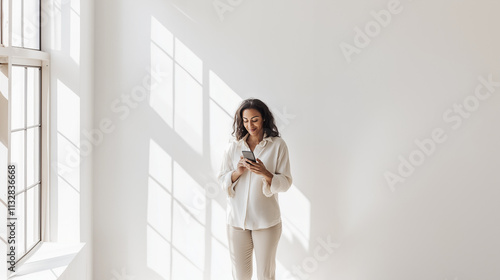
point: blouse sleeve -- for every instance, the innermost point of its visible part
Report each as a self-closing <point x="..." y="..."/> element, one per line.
<point x="226" y="169"/>
<point x="282" y="178"/>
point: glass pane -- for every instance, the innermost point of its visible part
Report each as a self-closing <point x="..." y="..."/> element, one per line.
<point x="31" y="24"/>
<point x="18" y="96"/>
<point x="32" y="216"/>
<point x="20" y="229"/>
<point x="17" y="24"/>
<point x="26" y="24"/>
<point x="33" y="96"/>
<point x="17" y="157"/>
<point x="32" y="156"/>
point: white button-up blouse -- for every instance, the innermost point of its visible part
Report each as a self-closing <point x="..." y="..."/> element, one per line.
<point x="251" y="202"/>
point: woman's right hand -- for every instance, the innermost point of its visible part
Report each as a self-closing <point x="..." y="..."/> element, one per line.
<point x="241" y="167"/>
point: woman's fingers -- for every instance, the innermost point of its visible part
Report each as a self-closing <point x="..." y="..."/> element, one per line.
<point x="252" y="166"/>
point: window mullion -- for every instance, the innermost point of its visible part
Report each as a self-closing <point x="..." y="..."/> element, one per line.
<point x="22" y="23"/>
<point x="9" y="27"/>
<point x="40" y="173"/>
<point x="25" y="158"/>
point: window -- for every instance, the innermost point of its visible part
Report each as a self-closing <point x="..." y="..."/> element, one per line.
<point x="24" y="82"/>
<point x="23" y="29"/>
<point x="25" y="144"/>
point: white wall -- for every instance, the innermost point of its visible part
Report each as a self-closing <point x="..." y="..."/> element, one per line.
<point x="346" y="124"/>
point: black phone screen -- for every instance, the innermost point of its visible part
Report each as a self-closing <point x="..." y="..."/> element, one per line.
<point x="249" y="155"/>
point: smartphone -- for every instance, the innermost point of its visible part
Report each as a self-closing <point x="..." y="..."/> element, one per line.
<point x="249" y="155"/>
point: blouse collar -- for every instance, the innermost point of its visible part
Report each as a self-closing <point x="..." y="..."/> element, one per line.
<point x="262" y="143"/>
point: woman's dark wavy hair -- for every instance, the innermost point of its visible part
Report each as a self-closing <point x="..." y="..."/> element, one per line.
<point x="239" y="130"/>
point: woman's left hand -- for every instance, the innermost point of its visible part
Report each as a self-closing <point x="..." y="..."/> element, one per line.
<point x="257" y="167"/>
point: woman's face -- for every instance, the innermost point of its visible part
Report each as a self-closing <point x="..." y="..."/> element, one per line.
<point x="252" y="120"/>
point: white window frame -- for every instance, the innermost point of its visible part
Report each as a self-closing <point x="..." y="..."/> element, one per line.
<point x="17" y="56"/>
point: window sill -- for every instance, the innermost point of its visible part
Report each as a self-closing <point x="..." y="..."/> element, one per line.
<point x="48" y="262"/>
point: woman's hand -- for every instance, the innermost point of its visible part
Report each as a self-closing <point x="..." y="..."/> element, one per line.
<point x="259" y="168"/>
<point x="241" y="167"/>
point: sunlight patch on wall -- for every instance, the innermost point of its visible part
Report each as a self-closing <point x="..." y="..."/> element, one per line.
<point x="161" y="92"/>
<point x="223" y="95"/>
<point x="159" y="213"/>
<point x="184" y="268"/>
<point x="189" y="61"/>
<point x="68" y="214"/>
<point x="162" y="37"/>
<point x="159" y="209"/>
<point x="189" y="245"/>
<point x="219" y="250"/>
<point x="188" y="119"/>
<point x="296" y="211"/>
<point x="220" y="255"/>
<point x="56" y="25"/>
<point x="160" y="166"/>
<point x="219" y="223"/>
<point x="74" y="33"/>
<point x="190" y="194"/>
<point x="68" y="180"/>
<point x="177" y="95"/>
<point x="282" y="272"/>
<point x="223" y="103"/>
<point x="158" y="253"/>
<point x="68" y="113"/>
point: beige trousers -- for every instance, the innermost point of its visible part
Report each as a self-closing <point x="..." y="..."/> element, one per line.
<point x="241" y="245"/>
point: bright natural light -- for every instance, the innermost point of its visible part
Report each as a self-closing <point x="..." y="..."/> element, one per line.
<point x="68" y="179"/>
<point x="56" y="26"/>
<point x="219" y="244"/>
<point x="159" y="213"/>
<point x="177" y="75"/>
<point x="74" y="33"/>
<point x="296" y="215"/>
<point x="162" y="64"/>
<point x="188" y="108"/>
<point x="188" y="226"/>
<point x="223" y="103"/>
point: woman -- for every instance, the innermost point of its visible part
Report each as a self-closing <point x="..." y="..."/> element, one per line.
<point x="253" y="212"/>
